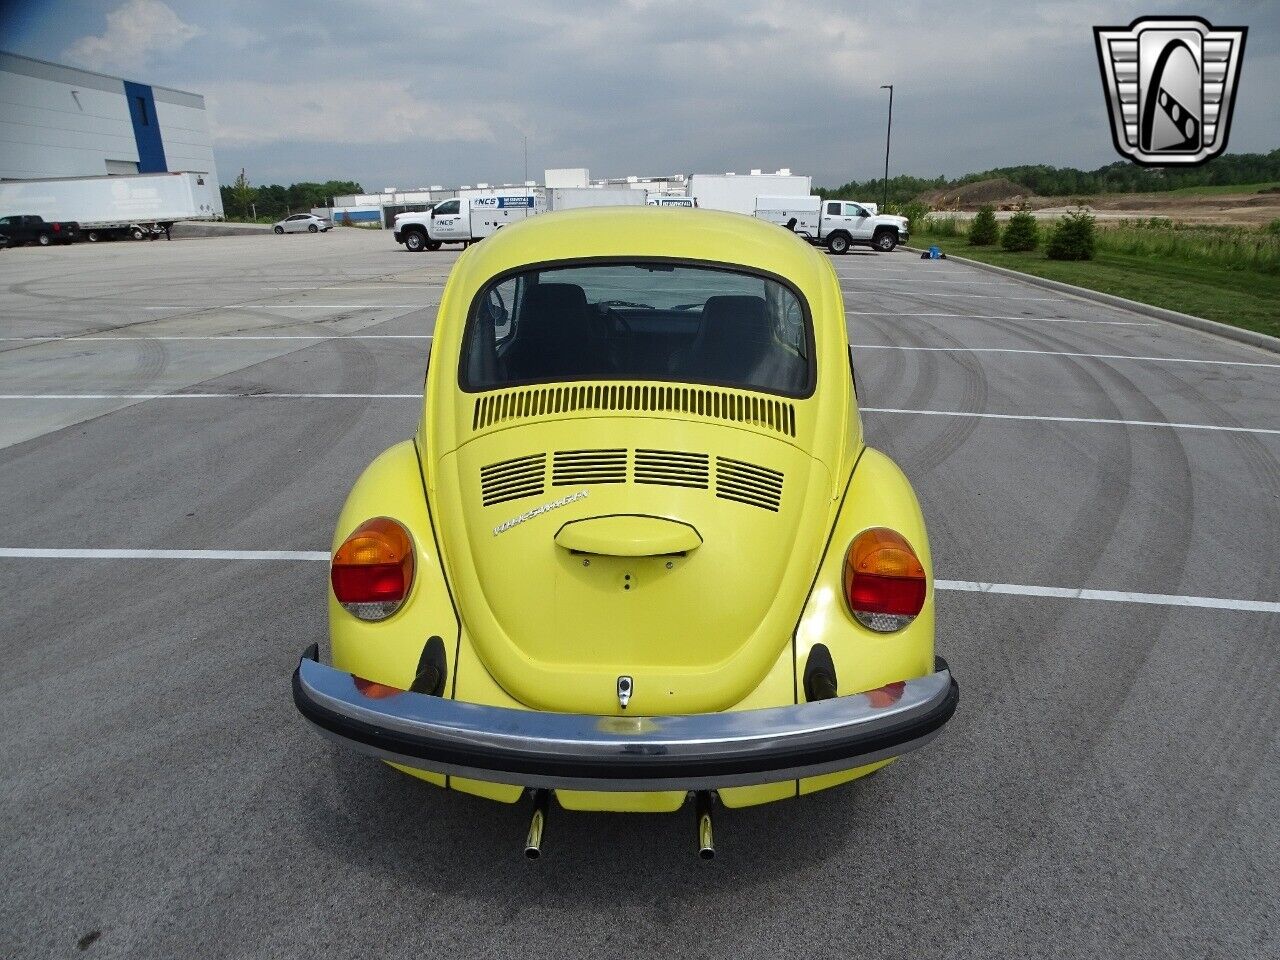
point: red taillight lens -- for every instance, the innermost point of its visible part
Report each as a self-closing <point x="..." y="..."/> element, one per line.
<point x="373" y="569"/>
<point x="884" y="580"/>
<point x="57" y="228"/>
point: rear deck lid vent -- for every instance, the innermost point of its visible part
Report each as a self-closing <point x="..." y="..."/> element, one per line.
<point x="748" y="483"/>
<point x="513" y="479"/>
<point x="589" y="466"/>
<point x="672" y="468"/>
<point x="764" y="412"/>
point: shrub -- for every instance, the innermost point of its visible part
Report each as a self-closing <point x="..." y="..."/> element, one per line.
<point x="1073" y="238"/>
<point x="1273" y="228"/>
<point x="914" y="210"/>
<point x="1021" y="232"/>
<point x="984" y="231"/>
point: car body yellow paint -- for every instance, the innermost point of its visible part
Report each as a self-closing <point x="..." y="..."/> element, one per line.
<point x="709" y="605"/>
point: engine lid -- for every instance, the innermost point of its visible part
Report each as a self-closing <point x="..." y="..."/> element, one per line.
<point x="676" y="554"/>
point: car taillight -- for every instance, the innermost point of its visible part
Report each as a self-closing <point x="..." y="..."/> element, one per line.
<point x="884" y="581"/>
<point x="373" y="569"/>
<point x="57" y="228"/>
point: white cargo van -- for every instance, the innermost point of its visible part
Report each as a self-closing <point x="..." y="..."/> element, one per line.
<point x="838" y="224"/>
<point x="464" y="220"/>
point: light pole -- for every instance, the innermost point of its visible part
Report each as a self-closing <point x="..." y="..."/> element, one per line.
<point x="525" y="140"/>
<point x="887" y="134"/>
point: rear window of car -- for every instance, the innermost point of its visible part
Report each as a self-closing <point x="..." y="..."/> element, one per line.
<point x="639" y="321"/>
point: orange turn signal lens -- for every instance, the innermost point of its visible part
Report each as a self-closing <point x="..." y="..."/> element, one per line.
<point x="372" y="571"/>
<point x="884" y="581"/>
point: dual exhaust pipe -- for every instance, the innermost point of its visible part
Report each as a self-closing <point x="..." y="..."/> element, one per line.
<point x="541" y="804"/>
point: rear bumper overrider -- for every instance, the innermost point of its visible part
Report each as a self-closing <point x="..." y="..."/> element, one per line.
<point x="535" y="748"/>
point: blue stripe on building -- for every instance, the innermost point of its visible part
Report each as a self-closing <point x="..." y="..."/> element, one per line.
<point x="146" y="128"/>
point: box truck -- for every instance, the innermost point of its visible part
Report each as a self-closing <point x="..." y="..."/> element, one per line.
<point x="836" y="224"/>
<point x="573" y="198"/>
<point x="465" y="219"/>
<point x="737" y="193"/>
<point x="134" y="205"/>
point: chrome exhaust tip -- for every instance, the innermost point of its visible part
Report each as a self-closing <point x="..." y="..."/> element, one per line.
<point x="537" y="823"/>
<point x="706" y="838"/>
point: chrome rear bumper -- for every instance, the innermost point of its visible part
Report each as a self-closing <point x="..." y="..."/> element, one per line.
<point x="578" y="752"/>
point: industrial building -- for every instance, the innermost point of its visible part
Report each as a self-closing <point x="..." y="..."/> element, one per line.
<point x="59" y="121"/>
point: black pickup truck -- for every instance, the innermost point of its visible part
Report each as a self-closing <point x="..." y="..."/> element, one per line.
<point x="24" y="228"/>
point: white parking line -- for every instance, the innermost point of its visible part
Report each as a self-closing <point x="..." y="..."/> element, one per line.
<point x="1064" y="353"/>
<point x="229" y="336"/>
<point x="50" y="553"/>
<point x="1114" y="596"/>
<point x="974" y="316"/>
<point x="860" y="278"/>
<point x="290" y="306"/>
<point x="1045" y="419"/>
<point x="998" y="296"/>
<point x="418" y="396"/>
<point x="963" y="586"/>
<point x="371" y="286"/>
<point x="210" y="396"/>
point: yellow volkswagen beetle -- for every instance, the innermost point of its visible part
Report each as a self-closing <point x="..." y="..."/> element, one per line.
<point x="637" y="552"/>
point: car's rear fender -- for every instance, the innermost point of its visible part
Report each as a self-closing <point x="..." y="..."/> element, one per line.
<point x="389" y="651"/>
<point x="878" y="495"/>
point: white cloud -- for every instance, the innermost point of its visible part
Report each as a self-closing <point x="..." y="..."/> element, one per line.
<point x="246" y="112"/>
<point x="135" y="29"/>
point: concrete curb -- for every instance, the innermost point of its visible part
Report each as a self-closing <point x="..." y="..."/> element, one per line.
<point x="192" y="229"/>
<point x="1224" y="330"/>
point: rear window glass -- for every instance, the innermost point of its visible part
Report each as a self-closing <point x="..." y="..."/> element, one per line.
<point x="641" y="321"/>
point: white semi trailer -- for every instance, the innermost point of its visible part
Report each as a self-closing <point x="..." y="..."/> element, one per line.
<point x="574" y="198"/>
<point x="106" y="207"/>
<point x="737" y="193"/>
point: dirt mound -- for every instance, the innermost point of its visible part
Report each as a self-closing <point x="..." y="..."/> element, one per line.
<point x="1000" y="192"/>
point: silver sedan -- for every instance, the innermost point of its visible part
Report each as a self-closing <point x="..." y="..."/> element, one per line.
<point x="302" y="223"/>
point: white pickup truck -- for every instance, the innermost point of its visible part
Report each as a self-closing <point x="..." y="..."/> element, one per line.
<point x="463" y="220"/>
<point x="839" y="224"/>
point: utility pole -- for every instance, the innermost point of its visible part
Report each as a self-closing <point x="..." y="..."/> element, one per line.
<point x="887" y="134"/>
<point x="525" y="140"/>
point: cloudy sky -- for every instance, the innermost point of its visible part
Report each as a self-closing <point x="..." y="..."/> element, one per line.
<point x="401" y="93"/>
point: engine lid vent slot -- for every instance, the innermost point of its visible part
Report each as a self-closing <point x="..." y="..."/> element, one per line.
<point x="589" y="466"/>
<point x="672" y="468"/>
<point x="764" y="412"/>
<point x="748" y="483"/>
<point x="513" y="479"/>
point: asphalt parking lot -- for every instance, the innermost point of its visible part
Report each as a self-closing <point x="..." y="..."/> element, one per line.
<point x="1108" y="787"/>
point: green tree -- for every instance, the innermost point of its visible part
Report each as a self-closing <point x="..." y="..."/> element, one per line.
<point x="242" y="195"/>
<point x="1119" y="177"/>
<point x="1021" y="232"/>
<point x="1073" y="238"/>
<point x="984" y="231"/>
